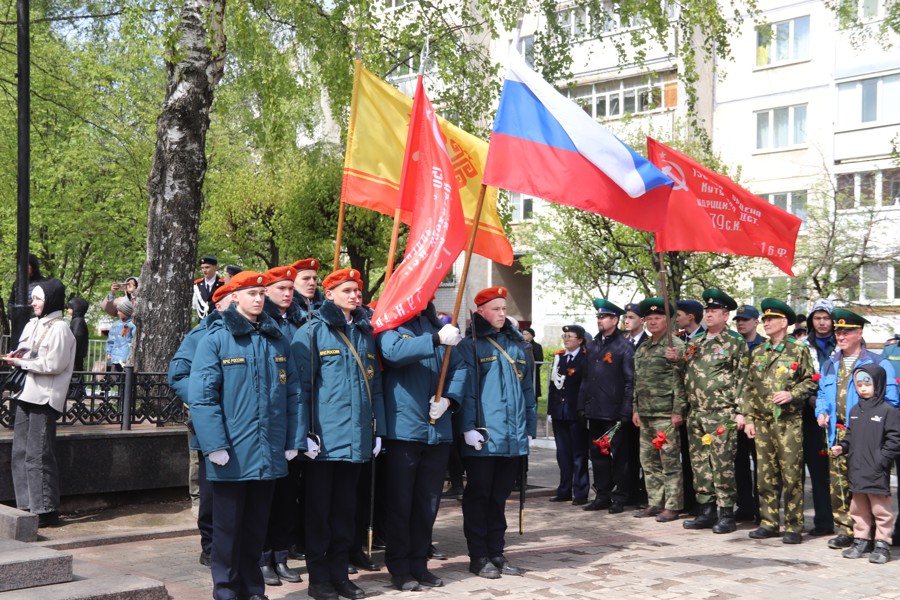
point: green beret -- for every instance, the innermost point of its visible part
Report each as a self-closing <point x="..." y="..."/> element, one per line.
<point x="654" y="306"/>
<point x="847" y="319"/>
<point x="776" y="308"/>
<point x="719" y="299"/>
<point x="605" y="307"/>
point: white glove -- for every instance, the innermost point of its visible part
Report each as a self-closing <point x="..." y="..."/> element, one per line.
<point x="312" y="449"/>
<point x="377" y="447"/>
<point x="219" y="457"/>
<point x="437" y="409"/>
<point x="449" y="335"/>
<point x="290" y="455"/>
<point x="474" y="439"/>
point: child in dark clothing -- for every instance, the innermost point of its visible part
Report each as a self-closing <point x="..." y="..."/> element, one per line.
<point x="872" y="444"/>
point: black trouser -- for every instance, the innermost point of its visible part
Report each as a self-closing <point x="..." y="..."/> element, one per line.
<point x="489" y="482"/>
<point x="638" y="493"/>
<point x="205" y="508"/>
<point x="455" y="468"/>
<point x="240" y="514"/>
<point x="415" y="479"/>
<point x="330" y="518"/>
<point x="687" y="472"/>
<point x="817" y="464"/>
<point x="611" y="471"/>
<point x="745" y="476"/>
<point x="281" y="519"/>
<point x="572" y="457"/>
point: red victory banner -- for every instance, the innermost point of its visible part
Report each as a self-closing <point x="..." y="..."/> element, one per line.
<point x="708" y="212"/>
<point x="429" y="190"/>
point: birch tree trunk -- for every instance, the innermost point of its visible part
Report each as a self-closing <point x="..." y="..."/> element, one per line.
<point x="194" y="67"/>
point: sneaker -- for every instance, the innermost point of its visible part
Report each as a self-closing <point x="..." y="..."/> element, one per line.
<point x="881" y="553"/>
<point x="859" y="549"/>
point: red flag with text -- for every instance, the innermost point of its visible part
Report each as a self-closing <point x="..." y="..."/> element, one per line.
<point x="709" y="212"/>
<point x="437" y="234"/>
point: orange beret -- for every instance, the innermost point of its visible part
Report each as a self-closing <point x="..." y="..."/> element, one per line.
<point x="340" y="276"/>
<point x="276" y="274"/>
<point x="247" y="279"/>
<point x="222" y="291"/>
<point x="486" y="295"/>
<point x="306" y="264"/>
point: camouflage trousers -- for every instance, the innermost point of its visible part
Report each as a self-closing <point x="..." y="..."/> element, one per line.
<point x="713" y="462"/>
<point x="840" y="495"/>
<point x="779" y="453"/>
<point x="662" y="468"/>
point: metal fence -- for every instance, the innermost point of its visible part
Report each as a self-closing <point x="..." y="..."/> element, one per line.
<point x="122" y="398"/>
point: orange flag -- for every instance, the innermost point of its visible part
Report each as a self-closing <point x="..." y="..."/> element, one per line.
<point x="376" y="143"/>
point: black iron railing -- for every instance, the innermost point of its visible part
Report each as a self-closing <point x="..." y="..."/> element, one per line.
<point x="114" y="398"/>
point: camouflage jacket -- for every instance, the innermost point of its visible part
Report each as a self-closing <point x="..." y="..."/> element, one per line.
<point x="786" y="366"/>
<point x="713" y="364"/>
<point x="658" y="382"/>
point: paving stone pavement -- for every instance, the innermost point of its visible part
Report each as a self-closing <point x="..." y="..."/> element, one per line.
<point x="568" y="553"/>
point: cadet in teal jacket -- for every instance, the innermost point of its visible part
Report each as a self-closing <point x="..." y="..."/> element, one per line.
<point x="500" y="399"/>
<point x="419" y="435"/>
<point x="340" y="378"/>
<point x="246" y="408"/>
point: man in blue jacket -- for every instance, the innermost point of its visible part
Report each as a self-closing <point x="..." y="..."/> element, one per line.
<point x="246" y="408"/>
<point x="339" y="377"/>
<point x="836" y="396"/>
<point x="419" y="434"/>
<point x="498" y="420"/>
<point x="605" y="399"/>
<point x="179" y="381"/>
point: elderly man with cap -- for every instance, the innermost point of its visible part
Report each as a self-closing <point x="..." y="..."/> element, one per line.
<point x="836" y="396"/>
<point x="247" y="411"/>
<point x="689" y="319"/>
<point x="419" y="434"/>
<point x="205" y="286"/>
<point x="605" y="401"/>
<point x="179" y="380"/>
<point x="660" y="404"/>
<point x="779" y="379"/>
<point x="713" y="363"/>
<point x="306" y="288"/>
<point x="498" y="420"/>
<point x="340" y="378"/>
<point x="569" y="430"/>
<point x="746" y="320"/>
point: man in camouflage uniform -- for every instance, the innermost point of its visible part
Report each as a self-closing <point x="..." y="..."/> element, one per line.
<point x="777" y="384"/>
<point x="659" y="404"/>
<point x="713" y="361"/>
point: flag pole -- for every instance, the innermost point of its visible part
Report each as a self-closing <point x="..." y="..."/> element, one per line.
<point x="337" y="238"/>
<point x="476" y="220"/>
<point x="665" y="294"/>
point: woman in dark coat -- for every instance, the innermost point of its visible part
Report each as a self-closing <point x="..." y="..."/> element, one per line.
<point x="78" y="307"/>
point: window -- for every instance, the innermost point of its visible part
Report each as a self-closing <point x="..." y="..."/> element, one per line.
<point x="522" y="207"/>
<point x="781" y="127"/>
<point x="876" y="283"/>
<point x="634" y="95"/>
<point x="792" y="202"/>
<point x="875" y="100"/>
<point x="526" y="49"/>
<point x="869" y="9"/>
<point x="870" y="189"/>
<point x="783" y="288"/>
<point x="782" y="41"/>
<point x="573" y="21"/>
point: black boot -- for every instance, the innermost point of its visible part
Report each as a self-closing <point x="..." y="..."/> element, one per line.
<point x="726" y="522"/>
<point x="705" y="520"/>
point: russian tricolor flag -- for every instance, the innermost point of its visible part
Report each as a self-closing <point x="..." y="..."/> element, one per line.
<point x="546" y="146"/>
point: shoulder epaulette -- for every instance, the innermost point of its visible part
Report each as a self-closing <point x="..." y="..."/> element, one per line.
<point x="198" y="280"/>
<point x="560" y="351"/>
<point x="736" y="335"/>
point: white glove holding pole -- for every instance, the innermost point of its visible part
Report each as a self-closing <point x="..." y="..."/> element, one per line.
<point x="474" y="439"/>
<point x="312" y="449"/>
<point x="437" y="409"/>
<point x="290" y="455"/>
<point x="219" y="457"/>
<point x="377" y="447"/>
<point x="449" y="335"/>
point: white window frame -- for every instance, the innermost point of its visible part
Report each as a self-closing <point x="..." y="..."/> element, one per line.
<point x="518" y="203"/>
<point x="587" y="96"/>
<point x="878" y="197"/>
<point x="850" y="101"/>
<point x="792" y="143"/>
<point x="771" y="46"/>
<point x="891" y="293"/>
<point x="790" y="201"/>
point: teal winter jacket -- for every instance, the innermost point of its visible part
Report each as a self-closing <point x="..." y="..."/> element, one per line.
<point x="244" y="396"/>
<point x="412" y="365"/>
<point x="341" y="409"/>
<point x="508" y="405"/>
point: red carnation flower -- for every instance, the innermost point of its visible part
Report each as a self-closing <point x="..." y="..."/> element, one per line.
<point x="818" y="376"/>
<point x="794" y="366"/>
<point x="840" y="426"/>
<point x="720" y="430"/>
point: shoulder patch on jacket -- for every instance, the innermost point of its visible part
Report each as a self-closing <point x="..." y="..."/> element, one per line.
<point x="406" y="336"/>
<point x="328" y="352"/>
<point x="281" y="359"/>
<point x="234" y="361"/>
<point x="488" y="359"/>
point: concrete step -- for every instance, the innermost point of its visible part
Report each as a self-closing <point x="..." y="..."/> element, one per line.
<point x="95" y="582"/>
<point x="26" y="565"/>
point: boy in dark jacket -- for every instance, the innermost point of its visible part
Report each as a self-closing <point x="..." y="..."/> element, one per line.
<point x="872" y="442"/>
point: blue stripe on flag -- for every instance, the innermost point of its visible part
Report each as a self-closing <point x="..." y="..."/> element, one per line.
<point x="522" y="115"/>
